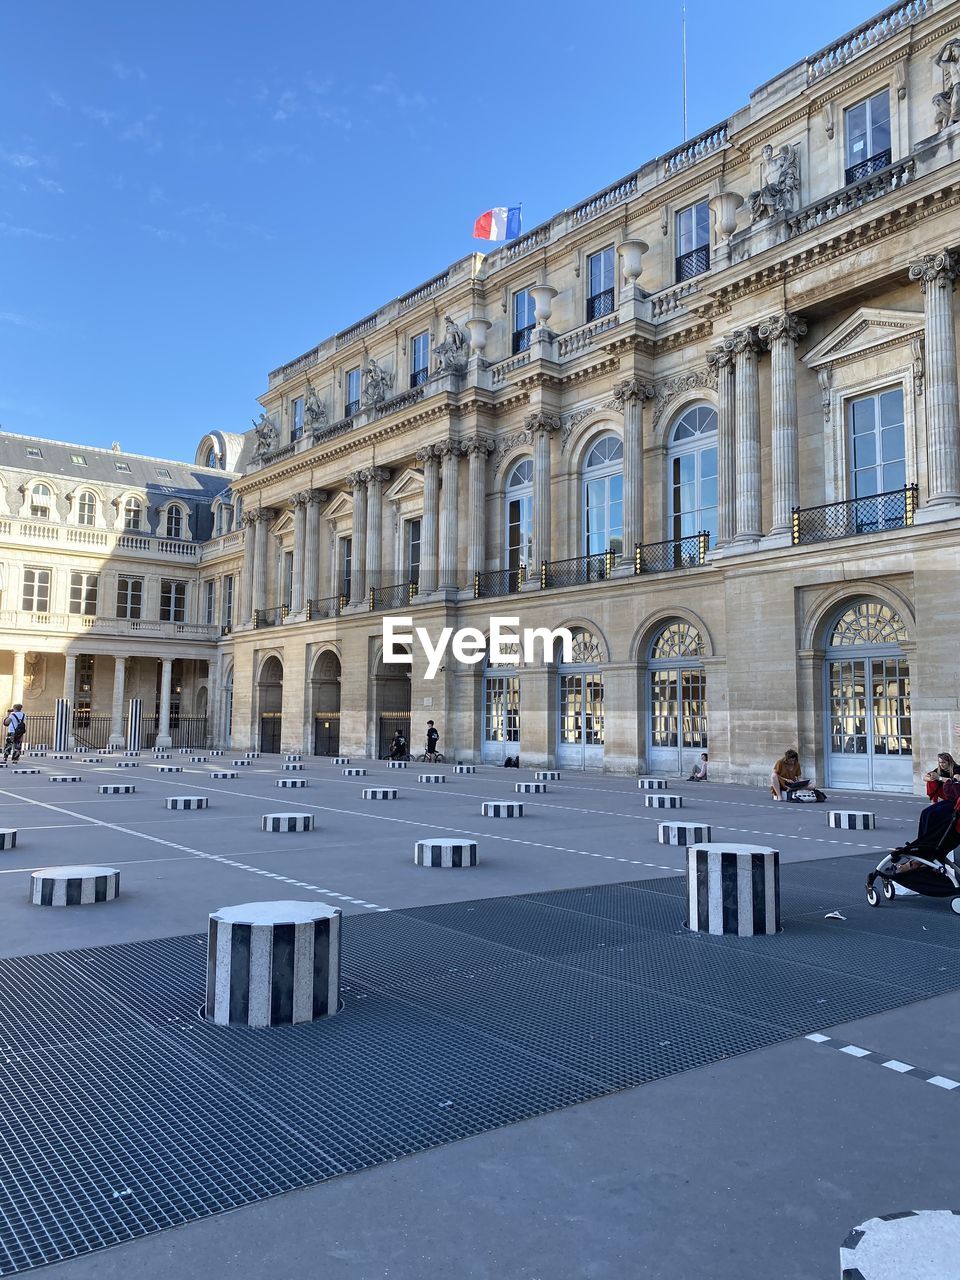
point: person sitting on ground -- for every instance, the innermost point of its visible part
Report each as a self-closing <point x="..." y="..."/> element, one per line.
<point x="15" y="723"/>
<point x="786" y="776"/>
<point x="699" y="770"/>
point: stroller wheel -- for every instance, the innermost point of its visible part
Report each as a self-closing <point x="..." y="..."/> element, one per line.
<point x="889" y="890"/>
<point x="873" y="897"/>
<point x="955" y="905"/>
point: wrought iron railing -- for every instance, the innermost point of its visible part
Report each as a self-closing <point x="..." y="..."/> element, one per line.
<point x="601" y="304"/>
<point x="270" y="617"/>
<point x="521" y="339"/>
<point x="419" y="376"/>
<point x="329" y="607"/>
<point x="674" y="553"/>
<point x="575" y="572"/>
<point x="855" y="517"/>
<point x="863" y="168"/>
<point x="350" y="408"/>
<point x="693" y="263"/>
<point x="396" y="596"/>
<point x="498" y="582"/>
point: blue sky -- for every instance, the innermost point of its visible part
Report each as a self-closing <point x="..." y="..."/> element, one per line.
<point x="194" y="192"/>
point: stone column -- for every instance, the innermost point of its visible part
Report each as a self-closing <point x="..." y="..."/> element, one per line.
<point x="449" y="451"/>
<point x="541" y="425"/>
<point x="782" y="333"/>
<point x="260" y="560"/>
<point x="477" y="450"/>
<point x="721" y="358"/>
<point x="245" y="609"/>
<point x="358" y="574"/>
<point x="311" y="554"/>
<point x="936" y="273"/>
<point x="299" y="505"/>
<point x="630" y="396"/>
<point x="163" y="723"/>
<point x="377" y="475"/>
<point x="19" y="667"/>
<point x="747" y="400"/>
<point x="116" y="707"/>
<point x="69" y="689"/>
<point x="430" y="462"/>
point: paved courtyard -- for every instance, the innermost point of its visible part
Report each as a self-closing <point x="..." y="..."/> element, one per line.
<point x="493" y="1043"/>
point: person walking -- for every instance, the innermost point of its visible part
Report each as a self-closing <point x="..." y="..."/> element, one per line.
<point x="15" y="723"/>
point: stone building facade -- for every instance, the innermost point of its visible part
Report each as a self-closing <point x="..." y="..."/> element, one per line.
<point x="707" y="419"/>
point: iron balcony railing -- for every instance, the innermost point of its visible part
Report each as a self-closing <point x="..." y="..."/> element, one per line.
<point x="419" y="376"/>
<point x="863" y="168"/>
<point x="675" y="553"/>
<point x="270" y="617"/>
<point x="396" y="596"/>
<point x="350" y="408"/>
<point x="855" y="517"/>
<point x="330" y="607"/>
<point x="694" y="263"/>
<point x="575" y="572"/>
<point x="600" y="304"/>
<point x="521" y="339"/>
<point x="498" y="582"/>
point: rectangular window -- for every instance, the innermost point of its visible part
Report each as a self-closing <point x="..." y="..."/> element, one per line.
<point x="32" y="451"/>
<point x="419" y="359"/>
<point x="83" y="696"/>
<point x="878" y="459"/>
<point x="501" y="711"/>
<point x="351" y="400"/>
<point x="412" y="541"/>
<point x="286" y="579"/>
<point x="600" y="284"/>
<point x="129" y="598"/>
<point x="866" y="129"/>
<point x="173" y="600"/>
<point x="693" y="240"/>
<point x="83" y="593"/>
<point x="227" y="614"/>
<point x="344" y="562"/>
<point x="78" y="459"/>
<point x="36" y="590"/>
<point x="209" y="602"/>
<point x="524" y="318"/>
<point x="296" y="418"/>
<point x="122" y="466"/>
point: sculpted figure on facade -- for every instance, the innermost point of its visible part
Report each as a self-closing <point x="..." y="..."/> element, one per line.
<point x="779" y="183"/>
<point x="314" y="411"/>
<point x="452" y="351"/>
<point x="377" y="383"/>
<point x="947" y="104"/>
<point x="267" y="435"/>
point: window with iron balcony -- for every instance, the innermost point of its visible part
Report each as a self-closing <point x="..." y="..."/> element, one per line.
<point x="419" y="359"/>
<point x="866" y="128"/>
<point x="600" y="284"/>
<point x="693" y="241"/>
<point x="351" y="401"/>
<point x="524" y="319"/>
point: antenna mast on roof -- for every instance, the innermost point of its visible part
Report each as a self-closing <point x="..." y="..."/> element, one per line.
<point x="683" y="39"/>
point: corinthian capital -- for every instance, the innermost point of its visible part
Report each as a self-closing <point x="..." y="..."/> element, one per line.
<point x="721" y="356"/>
<point x="745" y="340"/>
<point x="357" y="479"/>
<point x="541" y="421"/>
<point x="316" y="496"/>
<point x="938" y="269"/>
<point x="445" y="448"/>
<point x="786" y="325"/>
<point x="477" y="444"/>
<point x="298" y="500"/>
<point x="377" y="475"/>
<point x="426" y="455"/>
<point x="632" y="389"/>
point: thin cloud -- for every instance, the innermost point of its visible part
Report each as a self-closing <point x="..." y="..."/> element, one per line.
<point x="19" y="321"/>
<point x="98" y="114"/>
<point x="18" y="159"/>
<point x="125" y="71"/>
<point x="57" y="99"/>
<point x="11" y="232"/>
<point x="163" y="234"/>
<point x="48" y="184"/>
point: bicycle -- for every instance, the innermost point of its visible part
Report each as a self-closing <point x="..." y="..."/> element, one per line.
<point x="431" y="757"/>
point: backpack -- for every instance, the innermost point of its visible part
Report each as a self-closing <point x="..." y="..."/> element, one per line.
<point x="807" y="795"/>
<point x="19" y="731"/>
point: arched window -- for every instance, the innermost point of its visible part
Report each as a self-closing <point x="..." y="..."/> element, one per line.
<point x="519" y="518"/>
<point x="692" y="472"/>
<point x="41" y="501"/>
<point x="678" y="699"/>
<point x="86" y="508"/>
<point x="212" y="459"/>
<point x="174" y="522"/>
<point x="133" y="514"/>
<point x="603" y="497"/>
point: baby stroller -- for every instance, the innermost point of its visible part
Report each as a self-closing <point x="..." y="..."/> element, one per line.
<point x="925" y="864"/>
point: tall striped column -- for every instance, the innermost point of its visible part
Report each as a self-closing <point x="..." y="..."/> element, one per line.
<point x="134" y="724"/>
<point x="61" y="725"/>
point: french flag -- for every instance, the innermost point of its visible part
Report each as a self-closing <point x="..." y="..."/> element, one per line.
<point x="498" y="224"/>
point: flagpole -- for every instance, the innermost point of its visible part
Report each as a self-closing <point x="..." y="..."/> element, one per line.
<point x="683" y="34"/>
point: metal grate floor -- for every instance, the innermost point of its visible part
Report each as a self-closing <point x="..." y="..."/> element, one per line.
<point x="124" y="1113"/>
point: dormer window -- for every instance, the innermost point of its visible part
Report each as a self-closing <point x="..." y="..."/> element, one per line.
<point x="40" y="502"/>
<point x="867" y="136"/>
<point x="133" y="515"/>
<point x="174" y="522"/>
<point x="86" y="508"/>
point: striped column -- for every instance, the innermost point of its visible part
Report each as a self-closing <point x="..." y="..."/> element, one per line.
<point x="733" y="889"/>
<point x="73" y="886"/>
<point x="134" y="724"/>
<point x="273" y="963"/>
<point x="61" y="725"/>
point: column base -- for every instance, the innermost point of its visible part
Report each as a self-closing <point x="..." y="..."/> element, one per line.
<point x="116" y="740"/>
<point x="777" y="538"/>
<point x="934" y="512"/>
<point x="163" y="740"/>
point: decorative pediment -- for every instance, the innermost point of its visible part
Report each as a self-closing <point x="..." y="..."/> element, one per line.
<point x="283" y="524"/>
<point x="868" y="330"/>
<point x="342" y="505"/>
<point x="408" y="484"/>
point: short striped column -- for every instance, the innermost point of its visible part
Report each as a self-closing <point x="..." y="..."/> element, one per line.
<point x="652" y="784"/>
<point x="65" y="777"/>
<point x="380" y="793"/>
<point x="340" y="760"/>
<point x="291" y="766"/>
<point x="547" y="775"/>
<point x="662" y="800"/>
<point x="223" y="773"/>
<point x="441" y="852"/>
<point x="89" y="760"/>
<point x="291" y="782"/>
<point x="131" y="754"/>
<point x="284" y="822"/>
<point x="160" y="754"/>
<point x="187" y="802"/>
<point x="61" y="725"/>
<point x="73" y="886"/>
<point x="270" y="964"/>
<point x="134" y="724"/>
<point x="184" y="751"/>
<point x="354" y="773"/>
<point x="683" y="833"/>
<point x="397" y="764"/>
<point x="216" y="752"/>
<point x="251" y="755"/>
<point x="170" y="768"/>
<point x="431" y="777"/>
<point x="292" y="757"/>
<point x="733" y="888"/>
<point x="464" y="768"/>
<point x="913" y="1244"/>
<point x="240" y="764"/>
<point x="127" y="764"/>
<point x="502" y="809"/>
<point x="116" y="789"/>
<point x="36" y="755"/>
<point x="198" y="759"/>
<point x="24" y="770"/>
<point x="530" y="788"/>
<point x="8" y="838"/>
<point x="851" y="820"/>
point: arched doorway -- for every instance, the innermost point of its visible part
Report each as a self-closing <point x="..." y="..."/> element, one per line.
<point x="501" y="710"/>
<point x="677" y="685"/>
<point x="325" y="697"/>
<point x="867" y="687"/>
<point x="580" y="691"/>
<point x="391" y="685"/>
<point x="270" y="703"/>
